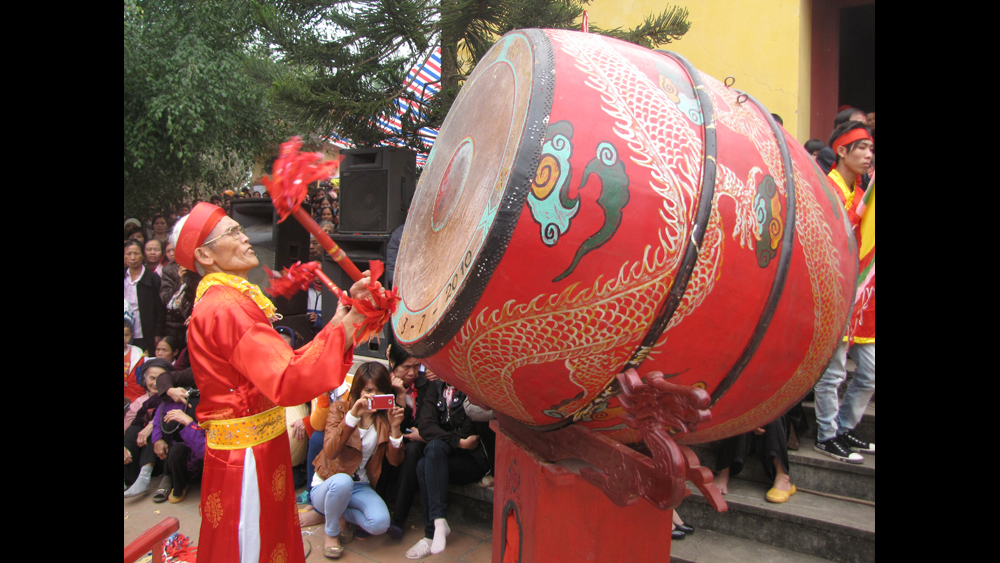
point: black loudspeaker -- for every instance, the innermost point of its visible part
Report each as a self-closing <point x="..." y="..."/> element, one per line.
<point x="277" y="247"/>
<point x="360" y="249"/>
<point x="376" y="188"/>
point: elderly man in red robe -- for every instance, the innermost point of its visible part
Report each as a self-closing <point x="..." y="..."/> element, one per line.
<point x="246" y="374"/>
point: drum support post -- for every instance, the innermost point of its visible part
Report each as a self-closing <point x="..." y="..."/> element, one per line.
<point x="574" y="495"/>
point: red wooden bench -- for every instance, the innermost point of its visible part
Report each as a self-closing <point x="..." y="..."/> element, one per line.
<point x="152" y="540"/>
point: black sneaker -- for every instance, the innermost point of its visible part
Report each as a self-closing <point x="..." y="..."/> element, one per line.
<point x="856" y="444"/>
<point x="838" y="451"/>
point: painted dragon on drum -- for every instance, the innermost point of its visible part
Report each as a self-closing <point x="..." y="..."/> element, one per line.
<point x="573" y="326"/>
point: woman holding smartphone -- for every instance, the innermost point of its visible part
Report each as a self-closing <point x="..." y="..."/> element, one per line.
<point x="358" y="438"/>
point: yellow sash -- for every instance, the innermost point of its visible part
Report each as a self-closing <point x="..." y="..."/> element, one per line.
<point x="243" y="433"/>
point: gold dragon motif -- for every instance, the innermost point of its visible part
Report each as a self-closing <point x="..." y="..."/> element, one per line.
<point x="709" y="266"/>
<point x="822" y="262"/>
<point x="595" y="330"/>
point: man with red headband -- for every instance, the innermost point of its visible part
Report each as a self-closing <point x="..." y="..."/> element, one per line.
<point x="246" y="373"/>
<point x="853" y="146"/>
<point x="853" y="149"/>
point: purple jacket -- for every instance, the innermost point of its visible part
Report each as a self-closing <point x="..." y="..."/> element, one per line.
<point x="192" y="435"/>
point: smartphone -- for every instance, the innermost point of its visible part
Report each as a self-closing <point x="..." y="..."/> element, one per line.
<point x="382" y="402"/>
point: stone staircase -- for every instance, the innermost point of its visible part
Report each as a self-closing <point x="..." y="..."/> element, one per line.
<point x="810" y="528"/>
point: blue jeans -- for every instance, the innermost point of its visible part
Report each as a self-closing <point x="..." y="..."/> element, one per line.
<point x="315" y="448"/>
<point x="356" y="502"/>
<point x="833" y="417"/>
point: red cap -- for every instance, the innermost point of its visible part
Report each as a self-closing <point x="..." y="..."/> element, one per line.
<point x="198" y="225"/>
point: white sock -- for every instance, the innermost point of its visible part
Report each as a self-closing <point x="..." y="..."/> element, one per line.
<point x="141" y="485"/>
<point x="441" y="533"/>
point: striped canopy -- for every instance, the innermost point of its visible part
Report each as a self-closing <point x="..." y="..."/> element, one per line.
<point x="423" y="81"/>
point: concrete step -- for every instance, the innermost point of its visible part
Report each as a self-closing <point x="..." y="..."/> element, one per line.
<point x="835" y="530"/>
<point x="712" y="547"/>
<point x="809" y="470"/>
<point x="865" y="429"/>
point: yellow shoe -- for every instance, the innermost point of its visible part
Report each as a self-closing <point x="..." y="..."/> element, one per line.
<point x="780" y="497"/>
<point x="177" y="499"/>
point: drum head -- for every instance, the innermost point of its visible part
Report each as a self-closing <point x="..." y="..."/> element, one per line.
<point x="471" y="194"/>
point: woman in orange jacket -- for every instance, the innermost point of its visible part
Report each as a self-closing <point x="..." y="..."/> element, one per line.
<point x="357" y="440"/>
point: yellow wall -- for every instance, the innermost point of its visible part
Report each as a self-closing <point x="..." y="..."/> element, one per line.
<point x="764" y="44"/>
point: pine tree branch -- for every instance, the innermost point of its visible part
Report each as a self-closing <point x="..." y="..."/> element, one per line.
<point x="349" y="58"/>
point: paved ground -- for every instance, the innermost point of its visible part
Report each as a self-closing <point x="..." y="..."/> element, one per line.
<point x="467" y="544"/>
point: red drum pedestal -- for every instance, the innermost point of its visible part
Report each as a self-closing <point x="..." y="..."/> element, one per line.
<point x="546" y="513"/>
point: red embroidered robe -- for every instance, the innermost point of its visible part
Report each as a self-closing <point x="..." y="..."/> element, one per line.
<point x="244" y="368"/>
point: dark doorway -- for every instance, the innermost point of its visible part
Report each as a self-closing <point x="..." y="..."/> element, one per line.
<point x="857" y="57"/>
<point x="843" y="60"/>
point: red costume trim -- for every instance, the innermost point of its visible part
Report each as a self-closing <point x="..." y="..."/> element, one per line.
<point x="199" y="224"/>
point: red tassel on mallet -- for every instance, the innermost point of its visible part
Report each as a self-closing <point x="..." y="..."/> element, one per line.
<point x="295" y="279"/>
<point x="288" y="186"/>
<point x="377" y="311"/>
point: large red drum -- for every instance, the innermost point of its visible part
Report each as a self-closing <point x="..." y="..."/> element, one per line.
<point x="590" y="206"/>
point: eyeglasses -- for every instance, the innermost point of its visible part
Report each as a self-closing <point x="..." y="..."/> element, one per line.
<point x="235" y="232"/>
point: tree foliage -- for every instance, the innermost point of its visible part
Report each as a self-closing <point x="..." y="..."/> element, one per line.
<point x="195" y="119"/>
<point x="212" y="85"/>
<point x="344" y="62"/>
